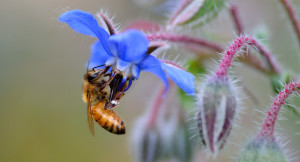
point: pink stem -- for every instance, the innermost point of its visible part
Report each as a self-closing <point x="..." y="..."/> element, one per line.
<point x="237" y="21"/>
<point x="185" y="39"/>
<point x="269" y="124"/>
<point x="268" y="56"/>
<point x="173" y="64"/>
<point x="250" y="59"/>
<point x="291" y="13"/>
<point x="236" y="46"/>
<point x="159" y="98"/>
<point x="240" y="29"/>
<point x="143" y="25"/>
<point x="157" y="104"/>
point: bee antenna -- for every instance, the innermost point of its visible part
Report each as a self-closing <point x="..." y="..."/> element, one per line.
<point x="97" y="67"/>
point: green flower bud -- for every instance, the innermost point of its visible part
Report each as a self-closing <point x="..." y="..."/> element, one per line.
<point x="262" y="149"/>
<point x="216" y="110"/>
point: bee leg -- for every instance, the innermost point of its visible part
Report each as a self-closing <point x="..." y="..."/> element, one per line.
<point x="114" y="86"/>
<point x="109" y="81"/>
<point x="103" y="72"/>
<point x="115" y="101"/>
<point x="114" y="90"/>
<point x="128" y="85"/>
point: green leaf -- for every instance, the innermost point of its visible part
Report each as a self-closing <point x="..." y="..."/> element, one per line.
<point x="195" y="67"/>
<point x="278" y="82"/>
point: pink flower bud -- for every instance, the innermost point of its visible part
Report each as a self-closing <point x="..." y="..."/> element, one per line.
<point x="216" y="109"/>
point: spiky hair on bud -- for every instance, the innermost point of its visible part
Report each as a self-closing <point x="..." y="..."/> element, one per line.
<point x="264" y="147"/>
<point x="218" y="103"/>
<point x="268" y="126"/>
<point x="107" y="22"/>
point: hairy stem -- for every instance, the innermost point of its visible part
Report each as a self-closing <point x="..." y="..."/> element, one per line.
<point x="185" y="39"/>
<point x="157" y="104"/>
<point x="293" y="17"/>
<point x="192" y="41"/>
<point x="239" y="44"/>
<point x="158" y="101"/>
<point x="267" y="129"/>
<point x="236" y="19"/>
<point x="240" y="29"/>
<point x="160" y="97"/>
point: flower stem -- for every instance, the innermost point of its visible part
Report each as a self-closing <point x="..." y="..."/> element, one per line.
<point x="239" y="44"/>
<point x="238" y="24"/>
<point x="157" y="104"/>
<point x="250" y="59"/>
<point x="158" y="101"/>
<point x="293" y="17"/>
<point x="160" y="96"/>
<point x="192" y="41"/>
<point x="269" y="124"/>
<point x="185" y="39"/>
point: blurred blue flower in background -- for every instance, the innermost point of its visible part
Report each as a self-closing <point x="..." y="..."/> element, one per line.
<point x="125" y="53"/>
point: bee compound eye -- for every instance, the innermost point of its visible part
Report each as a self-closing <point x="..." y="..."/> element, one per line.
<point x="92" y="77"/>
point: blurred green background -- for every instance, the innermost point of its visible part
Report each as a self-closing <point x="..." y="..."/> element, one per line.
<point x="42" y="115"/>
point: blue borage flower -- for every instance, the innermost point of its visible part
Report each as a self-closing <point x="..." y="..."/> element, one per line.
<point x="125" y="53"/>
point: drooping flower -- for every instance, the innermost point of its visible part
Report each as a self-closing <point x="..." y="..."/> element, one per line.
<point x="218" y="98"/>
<point x="124" y="53"/>
<point x="217" y="104"/>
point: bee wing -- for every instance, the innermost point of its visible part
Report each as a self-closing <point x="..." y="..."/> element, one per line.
<point x="90" y="115"/>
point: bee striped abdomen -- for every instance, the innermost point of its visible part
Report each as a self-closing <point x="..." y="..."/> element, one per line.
<point x="108" y="119"/>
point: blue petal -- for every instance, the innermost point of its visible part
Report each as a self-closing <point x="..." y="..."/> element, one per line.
<point x="98" y="55"/>
<point x="184" y="80"/>
<point x="130" y="46"/>
<point x="135" y="70"/>
<point x="85" y="23"/>
<point x="153" y="65"/>
<point x="122" y="65"/>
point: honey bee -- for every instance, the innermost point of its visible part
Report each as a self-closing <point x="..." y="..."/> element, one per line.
<point x="102" y="91"/>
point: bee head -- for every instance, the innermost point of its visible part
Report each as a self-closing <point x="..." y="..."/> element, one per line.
<point x="91" y="76"/>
